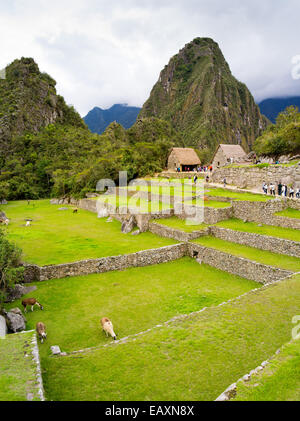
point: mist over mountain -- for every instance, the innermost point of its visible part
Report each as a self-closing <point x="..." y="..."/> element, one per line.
<point x="98" y="119"/>
<point x="271" y="107"/>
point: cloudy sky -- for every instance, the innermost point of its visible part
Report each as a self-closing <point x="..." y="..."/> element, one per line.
<point x="103" y="52"/>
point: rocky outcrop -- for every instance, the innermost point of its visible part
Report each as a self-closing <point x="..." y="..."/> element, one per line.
<point x="15" y="320"/>
<point x="17" y="292"/>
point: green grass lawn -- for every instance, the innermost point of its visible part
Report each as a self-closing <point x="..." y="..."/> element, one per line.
<point x="280" y="381"/>
<point x="62" y="237"/>
<point x="135" y="299"/>
<point x="265" y="257"/>
<point x="179" y="224"/>
<point x="210" y="204"/>
<point x="252" y="197"/>
<point x="17" y="372"/>
<point x="255" y="228"/>
<point x="134" y="204"/>
<point x="194" y="359"/>
<point x="290" y="213"/>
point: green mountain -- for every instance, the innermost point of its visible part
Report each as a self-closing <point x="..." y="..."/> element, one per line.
<point x="97" y="119"/>
<point x="28" y="102"/>
<point x="207" y="106"/>
<point x="47" y="150"/>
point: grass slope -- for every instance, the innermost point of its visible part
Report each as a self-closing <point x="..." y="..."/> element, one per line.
<point x="194" y="359"/>
<point x="238" y="195"/>
<point x="290" y="213"/>
<point x="280" y="381"/>
<point x="179" y="224"/>
<point x="265" y="257"/>
<point x="256" y="228"/>
<point x="135" y="299"/>
<point x="62" y="237"/>
<point x="17" y="372"/>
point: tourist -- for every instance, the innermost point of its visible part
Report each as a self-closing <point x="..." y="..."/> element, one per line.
<point x="298" y="193"/>
<point x="195" y="179"/>
<point x="284" y="190"/>
<point x="272" y="189"/>
<point x="225" y="183"/>
<point x="292" y="192"/>
<point x="265" y="188"/>
<point x="279" y="188"/>
<point x="207" y="179"/>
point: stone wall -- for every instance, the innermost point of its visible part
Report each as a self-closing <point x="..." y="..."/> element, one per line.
<point x="211" y="215"/>
<point x="106" y="264"/>
<point x="237" y="265"/>
<point x="168" y="232"/>
<point x="263" y="242"/>
<point x="247" y="177"/>
<point x="263" y="212"/>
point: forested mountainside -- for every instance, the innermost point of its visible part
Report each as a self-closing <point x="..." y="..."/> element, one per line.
<point x="204" y="102"/>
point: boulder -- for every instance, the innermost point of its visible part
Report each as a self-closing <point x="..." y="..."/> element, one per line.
<point x="3" y="328"/>
<point x="3" y="202"/>
<point x="18" y="291"/>
<point x="15" y="320"/>
<point x="128" y="225"/>
<point x="63" y="209"/>
<point x="54" y="201"/>
<point x="55" y="349"/>
<point x="137" y="232"/>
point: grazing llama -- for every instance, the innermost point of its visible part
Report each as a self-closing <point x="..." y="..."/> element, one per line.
<point x="108" y="327"/>
<point x="31" y="302"/>
<point x="41" y="331"/>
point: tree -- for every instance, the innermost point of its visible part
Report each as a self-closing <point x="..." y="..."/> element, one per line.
<point x="10" y="270"/>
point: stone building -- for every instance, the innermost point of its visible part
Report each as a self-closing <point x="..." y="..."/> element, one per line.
<point x="184" y="158"/>
<point x="229" y="154"/>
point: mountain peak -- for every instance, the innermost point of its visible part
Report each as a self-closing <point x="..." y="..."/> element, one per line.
<point x="205" y="103"/>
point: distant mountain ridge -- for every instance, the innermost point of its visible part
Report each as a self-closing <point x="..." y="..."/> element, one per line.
<point x="271" y="107"/>
<point x="98" y="119"/>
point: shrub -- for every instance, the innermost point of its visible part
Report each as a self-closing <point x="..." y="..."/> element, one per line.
<point x="10" y="270"/>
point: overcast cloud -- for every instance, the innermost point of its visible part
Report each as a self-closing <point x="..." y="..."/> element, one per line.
<point x="103" y="52"/>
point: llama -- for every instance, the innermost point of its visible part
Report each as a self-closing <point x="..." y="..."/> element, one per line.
<point x="31" y="302"/>
<point x="41" y="331"/>
<point x="108" y="327"/>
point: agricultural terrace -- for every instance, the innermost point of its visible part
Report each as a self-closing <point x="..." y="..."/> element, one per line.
<point x="220" y="345"/>
<point x="59" y="236"/>
<point x="255" y="228"/>
<point x="289" y="213"/>
<point x="239" y="196"/>
<point x="179" y="224"/>
<point x="265" y="257"/>
<point x="17" y="368"/>
<point x="280" y="380"/>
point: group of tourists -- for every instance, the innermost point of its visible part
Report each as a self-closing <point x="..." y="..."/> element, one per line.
<point x="195" y="169"/>
<point x="282" y="190"/>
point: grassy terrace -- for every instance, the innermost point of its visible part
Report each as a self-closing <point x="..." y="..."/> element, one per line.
<point x="179" y="224"/>
<point x="17" y="372"/>
<point x="134" y="204"/>
<point x="61" y="237"/>
<point x="255" y="228"/>
<point x="237" y="195"/>
<point x="135" y="299"/>
<point x="265" y="257"/>
<point x="280" y="381"/>
<point x="210" y="204"/>
<point x="290" y="213"/>
<point x="193" y="359"/>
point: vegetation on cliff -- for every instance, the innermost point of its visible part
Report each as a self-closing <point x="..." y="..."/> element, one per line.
<point x="197" y="93"/>
<point x="283" y="138"/>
